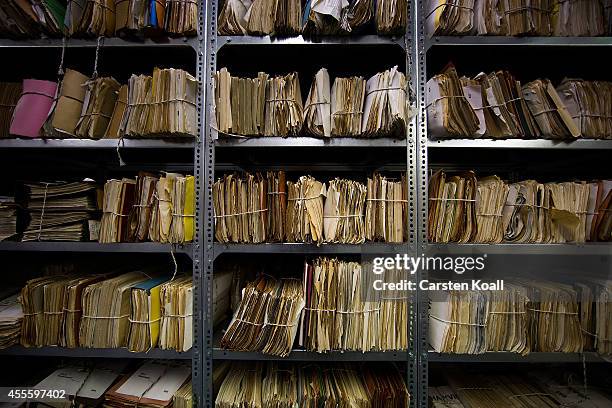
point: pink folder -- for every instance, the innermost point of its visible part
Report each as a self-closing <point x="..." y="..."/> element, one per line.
<point x="33" y="107"/>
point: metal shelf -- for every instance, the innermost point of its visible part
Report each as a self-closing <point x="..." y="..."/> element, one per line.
<point x="507" y="357"/>
<point x="191" y="42"/>
<point x="580" y="144"/>
<point x="519" y="41"/>
<point x="308" y="142"/>
<point x="310" y="249"/>
<point x="136" y="247"/>
<point x="92" y="353"/>
<point x="96" y="144"/>
<point x="302" y="355"/>
<point x="300" y="40"/>
<point x="601" y="249"/>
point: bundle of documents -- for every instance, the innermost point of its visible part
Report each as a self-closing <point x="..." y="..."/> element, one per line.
<point x="176" y="331"/>
<point x="84" y="383"/>
<point x="267" y="318"/>
<point x="490" y="206"/>
<point x="73" y="296"/>
<point x="136" y="17"/>
<point x="449" y="109"/>
<point x="10" y="93"/>
<point x="113" y="131"/>
<point x="240" y="103"/>
<point x="182" y="17"/>
<point x="119" y="197"/>
<point x="153" y="385"/>
<point x="59" y="211"/>
<point x="182" y="201"/>
<point x="525" y="17"/>
<point x="260" y="17"/>
<point x="384" y="112"/>
<point x="241" y="210"/>
<point x="304" y="220"/>
<point x="161" y="105"/>
<point x="232" y="17"/>
<point x="146" y="315"/>
<point x="455" y="17"/>
<point x="183" y="398"/>
<point x="386" y="216"/>
<point x="28" y="18"/>
<point x="97" y="18"/>
<point x="458" y="322"/>
<point x="549" y="112"/>
<point x="317" y="112"/>
<point x="575" y="18"/>
<point x="567" y="393"/>
<point x="11" y="319"/>
<point x="589" y="103"/>
<point x="106" y="308"/>
<point x="507" y="324"/>
<point x="347" y="102"/>
<point x="100" y="98"/>
<point x="599" y="211"/>
<point x="161" y="216"/>
<point x="309" y="385"/>
<point x="8" y="217"/>
<point x="33" y="107"/>
<point x="139" y="219"/>
<point x="443" y="397"/>
<point x="452" y="207"/>
<point x="67" y="110"/>
<point x="328" y="17"/>
<point x="277" y="205"/>
<point x="283" y="110"/>
<point x="391" y="16"/>
<point x="33" y="333"/>
<point x="343" y="220"/>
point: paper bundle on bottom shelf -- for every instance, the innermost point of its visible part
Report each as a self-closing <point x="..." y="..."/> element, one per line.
<point x="309" y="385"/>
<point x="11" y="319"/>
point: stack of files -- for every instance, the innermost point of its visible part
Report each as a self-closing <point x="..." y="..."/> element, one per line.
<point x="119" y="197"/>
<point x="326" y="17"/>
<point x="146" y="315"/>
<point x="182" y="18"/>
<point x="386" y="215"/>
<point x="182" y="200"/>
<point x="267" y="317"/>
<point x="549" y="112"/>
<point x="454" y="17"/>
<point x="599" y="212"/>
<point x="241" y="387"/>
<point x="69" y="336"/>
<point x="66" y="112"/>
<point x="458" y="322"/>
<point x="310" y="385"/>
<point x="568" y="394"/>
<point x="554" y="319"/>
<point x="176" y="330"/>
<point x="31" y="18"/>
<point x="347" y="102"/>
<point x="343" y="220"/>
<point x="161" y="216"/>
<point x="450" y="109"/>
<point x="576" y="18"/>
<point x="11" y="319"/>
<point x="528" y="17"/>
<point x="507" y="324"/>
<point x="317" y="111"/>
<point x="283" y="106"/>
<point x="99" y="104"/>
<point x="86" y="383"/>
<point x="113" y="131"/>
<point x="33" y="107"/>
<point x="106" y="308"/>
<point x="240" y="103"/>
<point x="140" y="216"/>
<point x="277" y="205"/>
<point x="595" y="312"/>
<point x="10" y="92"/>
<point x="232" y="18"/>
<point x="260" y="17"/>
<point x="443" y="397"/>
<point x="304" y="219"/>
<point x="60" y="211"/>
<point x="590" y="105"/>
<point x="183" y="398"/>
<point x="490" y="205"/>
<point x="8" y="217"/>
<point x="486" y="391"/>
<point x="452" y="207"/>
<point x="385" y="107"/>
<point x="161" y="105"/>
<point x="33" y="333"/>
<point x="391" y="16"/>
<point x="241" y="208"/>
<point x="153" y="385"/>
<point x="95" y="18"/>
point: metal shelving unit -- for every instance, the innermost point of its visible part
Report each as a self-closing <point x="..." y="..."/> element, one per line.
<point x="503" y="357"/>
<point x="301" y="355"/>
<point x="192" y="42"/>
<point x="295" y="142"/>
<point x="223" y="41"/>
<point x="21" y="351"/>
<point x="580" y="144"/>
<point x="91" y="247"/>
<point x="500" y="41"/>
<point x="111" y="144"/>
